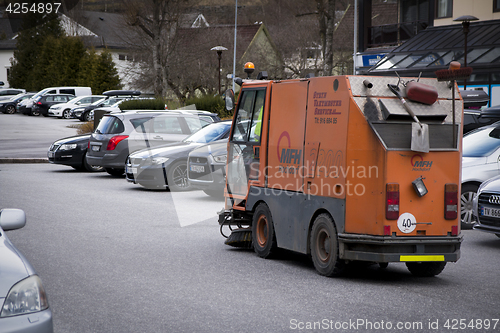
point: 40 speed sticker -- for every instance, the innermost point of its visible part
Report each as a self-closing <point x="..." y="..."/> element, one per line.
<point x="407" y="223"/>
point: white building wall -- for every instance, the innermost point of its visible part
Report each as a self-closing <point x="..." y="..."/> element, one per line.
<point x="5" y="56"/>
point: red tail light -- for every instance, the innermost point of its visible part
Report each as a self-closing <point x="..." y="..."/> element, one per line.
<point x="450" y="201"/>
<point x="114" y="141"/>
<point x="39" y="103"/>
<point x="392" y="201"/>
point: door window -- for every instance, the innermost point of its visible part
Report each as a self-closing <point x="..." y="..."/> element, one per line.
<point x="249" y="119"/>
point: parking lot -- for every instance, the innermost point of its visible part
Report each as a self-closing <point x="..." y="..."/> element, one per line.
<point x="115" y="257"/>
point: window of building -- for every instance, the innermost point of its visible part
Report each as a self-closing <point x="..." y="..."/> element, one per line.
<point x="496" y="5"/>
<point x="444" y="8"/>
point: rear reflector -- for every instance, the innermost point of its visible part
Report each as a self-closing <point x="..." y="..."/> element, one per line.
<point x="392" y="201"/>
<point x="387" y="230"/>
<point x="450" y="201"/>
<point x="114" y="141"/>
<point x="454" y="230"/>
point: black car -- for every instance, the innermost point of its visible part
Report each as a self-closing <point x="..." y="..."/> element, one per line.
<point x="166" y="166"/>
<point x="42" y="104"/>
<point x="8" y="106"/>
<point x="71" y="152"/>
<point x="112" y="96"/>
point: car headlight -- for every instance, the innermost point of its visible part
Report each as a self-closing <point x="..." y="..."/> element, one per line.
<point x="159" y="160"/>
<point x="220" y="158"/>
<point x="24" y="297"/>
<point x="68" y="146"/>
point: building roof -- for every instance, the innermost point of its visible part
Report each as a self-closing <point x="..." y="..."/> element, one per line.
<point x="435" y="47"/>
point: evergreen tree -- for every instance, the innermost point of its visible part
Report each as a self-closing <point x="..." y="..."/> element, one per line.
<point x="98" y="71"/>
<point x="35" y="28"/>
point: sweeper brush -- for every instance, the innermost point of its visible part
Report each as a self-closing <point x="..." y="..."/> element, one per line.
<point x="241" y="237"/>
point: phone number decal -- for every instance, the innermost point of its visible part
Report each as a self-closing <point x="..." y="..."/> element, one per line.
<point x="40" y="8"/>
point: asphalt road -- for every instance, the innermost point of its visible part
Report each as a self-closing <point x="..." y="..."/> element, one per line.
<point x="116" y="258"/>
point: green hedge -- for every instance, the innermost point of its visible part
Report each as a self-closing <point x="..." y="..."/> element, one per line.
<point x="210" y="103"/>
<point x="143" y="104"/>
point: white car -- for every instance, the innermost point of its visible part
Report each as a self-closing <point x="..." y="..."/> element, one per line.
<point x="63" y="110"/>
<point x="24" y="305"/>
<point x="480" y="161"/>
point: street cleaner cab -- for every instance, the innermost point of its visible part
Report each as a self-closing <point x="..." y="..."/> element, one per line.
<point x="326" y="166"/>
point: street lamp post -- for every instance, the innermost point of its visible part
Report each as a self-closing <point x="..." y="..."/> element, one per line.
<point x="219" y="50"/>
<point x="465" y="19"/>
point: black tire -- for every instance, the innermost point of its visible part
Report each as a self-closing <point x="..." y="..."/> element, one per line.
<point x="467" y="216"/>
<point x="10" y="109"/>
<point x="425" y="269"/>
<point x="383" y="264"/>
<point x="498" y="235"/>
<point x="65" y="114"/>
<point x="86" y="116"/>
<point x="115" y="172"/>
<point x="325" y="247"/>
<point x="91" y="168"/>
<point x="263" y="237"/>
<point x="34" y="112"/>
<point x="177" y="178"/>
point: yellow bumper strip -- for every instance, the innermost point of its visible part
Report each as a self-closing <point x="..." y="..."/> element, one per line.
<point x="421" y="258"/>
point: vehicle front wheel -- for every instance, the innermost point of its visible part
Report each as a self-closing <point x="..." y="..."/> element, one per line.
<point x="115" y="171"/>
<point x="65" y="114"/>
<point x="467" y="215"/>
<point x="87" y="116"/>
<point x="263" y="237"/>
<point x="177" y="178"/>
<point x="325" y="247"/>
<point x="10" y="109"/>
<point x="425" y="269"/>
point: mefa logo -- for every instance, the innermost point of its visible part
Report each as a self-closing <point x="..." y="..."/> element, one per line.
<point x="288" y="154"/>
<point x="418" y="163"/>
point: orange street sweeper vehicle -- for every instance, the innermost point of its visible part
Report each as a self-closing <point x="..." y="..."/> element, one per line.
<point x="346" y="168"/>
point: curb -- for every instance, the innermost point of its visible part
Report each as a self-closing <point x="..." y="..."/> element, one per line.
<point x="23" y="160"/>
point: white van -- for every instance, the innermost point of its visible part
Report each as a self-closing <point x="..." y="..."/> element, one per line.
<point x="77" y="91"/>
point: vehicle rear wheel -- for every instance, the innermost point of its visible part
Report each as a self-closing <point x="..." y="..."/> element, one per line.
<point x="263" y="237"/>
<point x="65" y="114"/>
<point x="325" y="247"/>
<point x="467" y="215"/>
<point x="115" y="171"/>
<point x="34" y="112"/>
<point x="177" y="178"/>
<point x="91" y="168"/>
<point x="425" y="269"/>
<point x="87" y="116"/>
<point x="10" y="109"/>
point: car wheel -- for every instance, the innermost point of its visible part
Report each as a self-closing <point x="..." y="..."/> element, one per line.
<point x="34" y="112"/>
<point x="91" y="168"/>
<point x="177" y="178"/>
<point x="263" y="237"/>
<point x="10" y="109"/>
<point x="87" y="116"/>
<point x="325" y="247"/>
<point x="115" y="172"/>
<point x="467" y="215"/>
<point x="65" y="114"/>
<point x="425" y="269"/>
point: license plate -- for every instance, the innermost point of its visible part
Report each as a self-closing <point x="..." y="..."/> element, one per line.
<point x="197" y="168"/>
<point x="51" y="154"/>
<point x="491" y="212"/>
<point x="131" y="170"/>
<point x="96" y="148"/>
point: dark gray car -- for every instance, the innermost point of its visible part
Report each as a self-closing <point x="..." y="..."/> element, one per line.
<point x="121" y="133"/>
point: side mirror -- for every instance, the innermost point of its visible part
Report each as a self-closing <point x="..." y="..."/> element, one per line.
<point x="12" y="218"/>
<point x="229" y="99"/>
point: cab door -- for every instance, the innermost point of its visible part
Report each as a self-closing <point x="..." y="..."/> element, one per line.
<point x="245" y="141"/>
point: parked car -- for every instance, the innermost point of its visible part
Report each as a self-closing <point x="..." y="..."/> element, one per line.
<point x="480" y="161"/>
<point x="62" y="110"/>
<point x="478" y="118"/>
<point x="112" y="96"/>
<point x="26" y="105"/>
<point x="11" y="92"/>
<point x="166" y="166"/>
<point x="9" y="106"/>
<point x="487" y="206"/>
<point x="72" y="152"/>
<point x="110" y="143"/>
<point x="23" y="299"/>
<point x="42" y="104"/>
<point x="207" y="168"/>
